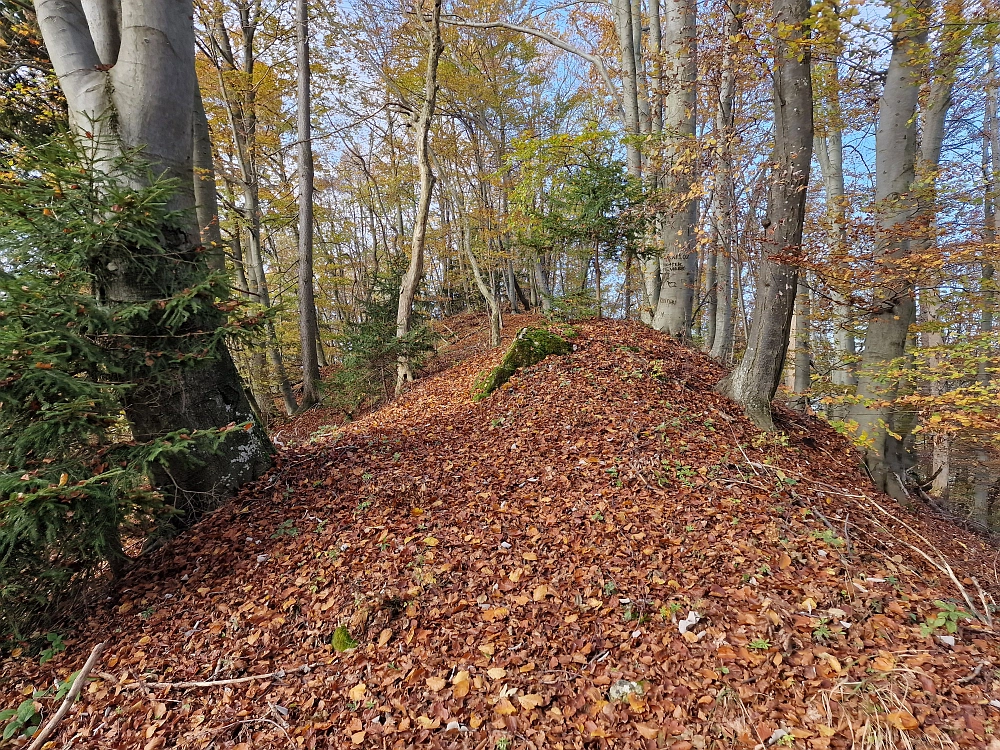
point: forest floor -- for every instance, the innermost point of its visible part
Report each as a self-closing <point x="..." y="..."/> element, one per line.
<point x="604" y="553"/>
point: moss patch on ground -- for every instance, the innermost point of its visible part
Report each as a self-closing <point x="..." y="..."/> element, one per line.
<point x="530" y="346"/>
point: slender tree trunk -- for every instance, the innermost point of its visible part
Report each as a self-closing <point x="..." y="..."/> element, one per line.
<point x="754" y="382"/>
<point x="722" y="195"/>
<point x="894" y="305"/>
<point x="676" y="291"/>
<point x="830" y="155"/>
<point x="803" y="353"/>
<point x="308" y="327"/>
<point x="151" y="90"/>
<point x="544" y="292"/>
<point x="414" y="272"/>
<point x="206" y="199"/>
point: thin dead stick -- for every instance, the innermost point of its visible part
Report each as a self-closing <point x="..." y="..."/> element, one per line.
<point x="305" y="668"/>
<point x="43" y="736"/>
<point x="943" y="566"/>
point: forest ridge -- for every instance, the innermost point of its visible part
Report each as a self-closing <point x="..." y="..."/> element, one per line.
<point x="247" y="231"/>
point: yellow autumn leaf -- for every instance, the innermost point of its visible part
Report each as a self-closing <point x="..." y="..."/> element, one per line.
<point x="462" y="676"/>
<point x="431" y="541"/>
<point x="539" y="593"/>
<point x="358" y="737"/>
<point x="532" y="700"/>
<point x="884" y="663"/>
<point x="902" y="720"/>
<point x="504" y="707"/>
<point x="357" y="692"/>
<point x="497" y="673"/>
<point x="428" y="723"/>
<point x="436" y="683"/>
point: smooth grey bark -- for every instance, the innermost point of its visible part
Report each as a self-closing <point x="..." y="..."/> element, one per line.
<point x="542" y="283"/>
<point x="893" y="305"/>
<point x="150" y="87"/>
<point x="241" y="111"/>
<point x="414" y="271"/>
<point x="803" y="354"/>
<point x="308" y="325"/>
<point x="205" y="196"/>
<point x="983" y="478"/>
<point x="722" y="195"/>
<point x="755" y="380"/>
<point x="830" y="155"/>
<point x="680" y="68"/>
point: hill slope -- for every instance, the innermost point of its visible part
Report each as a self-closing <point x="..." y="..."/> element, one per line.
<point x="518" y="573"/>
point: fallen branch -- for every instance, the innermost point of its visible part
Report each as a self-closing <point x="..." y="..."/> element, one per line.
<point x="304" y="669"/>
<point x="43" y="736"/>
<point x="969" y="678"/>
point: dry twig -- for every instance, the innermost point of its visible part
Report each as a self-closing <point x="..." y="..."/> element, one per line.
<point x="43" y="736"/>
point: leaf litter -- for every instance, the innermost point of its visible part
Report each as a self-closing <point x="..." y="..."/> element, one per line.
<point x="603" y="553"/>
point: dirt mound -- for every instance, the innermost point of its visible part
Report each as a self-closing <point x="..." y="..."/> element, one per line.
<point x="602" y="553"/>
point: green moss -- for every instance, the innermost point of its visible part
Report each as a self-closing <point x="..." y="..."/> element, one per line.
<point x="531" y="345"/>
<point x="342" y="640"/>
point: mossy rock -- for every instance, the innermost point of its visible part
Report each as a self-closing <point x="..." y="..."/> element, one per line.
<point x="531" y="345"/>
<point x="342" y="640"/>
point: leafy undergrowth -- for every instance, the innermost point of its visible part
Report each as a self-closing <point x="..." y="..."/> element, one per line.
<point x="602" y="553"/>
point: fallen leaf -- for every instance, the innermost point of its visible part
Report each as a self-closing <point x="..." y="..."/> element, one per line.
<point x="357" y="692"/>
<point x="431" y="541"/>
<point x="504" y="707"/>
<point x="650" y="733"/>
<point x="532" y="700"/>
<point x="902" y="720"/>
<point x="436" y="683"/>
<point x="497" y="673"/>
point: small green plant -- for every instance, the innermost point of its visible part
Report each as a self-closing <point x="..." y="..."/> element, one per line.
<point x="947" y="617"/>
<point x="786" y="740"/>
<point x="23" y="720"/>
<point x="822" y="632"/>
<point x="285" y="528"/>
<point x="503" y="743"/>
<point x="829" y="537"/>
<point x="363" y="506"/>
<point x="147" y="613"/>
<point x="610" y="588"/>
<point x="56" y="646"/>
<point x="26" y="718"/>
<point x="598" y="516"/>
<point x="759" y="644"/>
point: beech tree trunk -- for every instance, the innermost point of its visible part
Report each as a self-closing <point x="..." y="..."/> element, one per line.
<point x="803" y="354"/>
<point x="137" y="61"/>
<point x="722" y="196"/>
<point x="894" y="305"/>
<point x="308" y="326"/>
<point x="414" y="272"/>
<point x="680" y="69"/>
<point x="754" y="382"/>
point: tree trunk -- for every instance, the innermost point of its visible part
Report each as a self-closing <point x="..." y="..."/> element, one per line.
<point x="206" y="199"/>
<point x="803" y="353"/>
<point x="754" y="382"/>
<point x="893" y="305"/>
<point x="151" y="90"/>
<point x="308" y="326"/>
<point x="544" y="292"/>
<point x="722" y="195"/>
<point x="676" y="288"/>
<point x="414" y="272"/>
<point x="830" y="155"/>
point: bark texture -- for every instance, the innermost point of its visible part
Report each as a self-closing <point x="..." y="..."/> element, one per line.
<point x="415" y="269"/>
<point x="151" y="89"/>
<point x="893" y="308"/>
<point x="754" y="382"/>
<point x="308" y="325"/>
